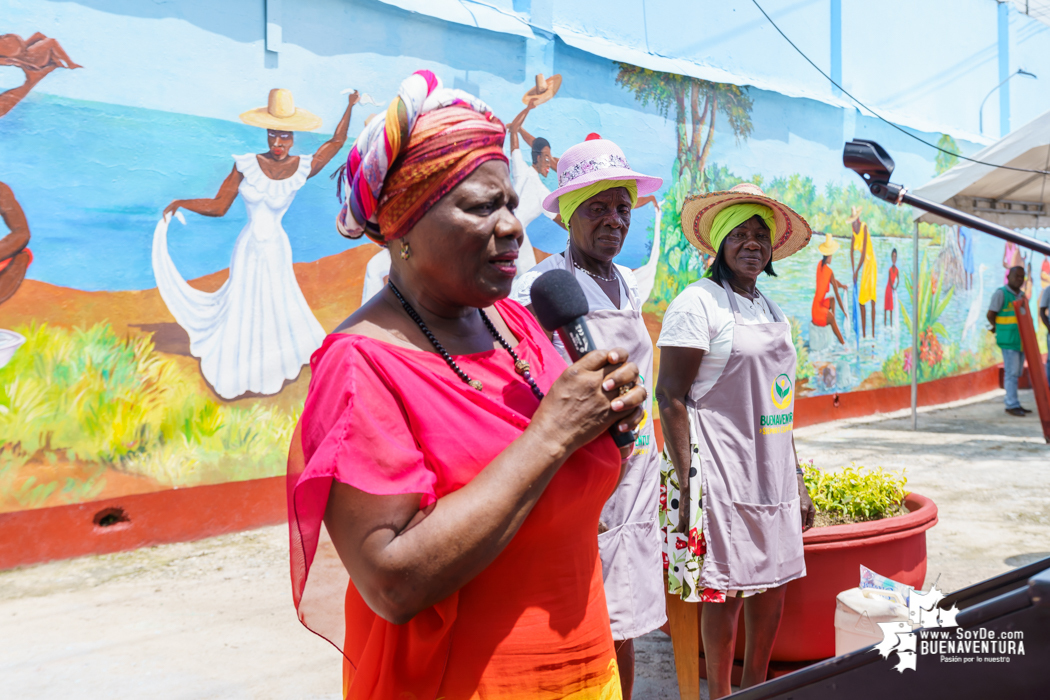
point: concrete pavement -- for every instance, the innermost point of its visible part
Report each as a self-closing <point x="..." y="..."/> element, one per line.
<point x="214" y="619"/>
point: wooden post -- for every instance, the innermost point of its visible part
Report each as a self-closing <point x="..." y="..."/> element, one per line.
<point x="1036" y="371"/>
<point x="684" y="619"/>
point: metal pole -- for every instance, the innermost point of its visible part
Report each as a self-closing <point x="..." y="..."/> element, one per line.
<point x="970" y="221"/>
<point x="915" y="330"/>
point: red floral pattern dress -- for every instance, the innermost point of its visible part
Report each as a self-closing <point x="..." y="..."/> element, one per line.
<point x="684" y="553"/>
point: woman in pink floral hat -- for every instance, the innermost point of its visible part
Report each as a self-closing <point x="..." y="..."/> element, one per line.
<point x="596" y="192"/>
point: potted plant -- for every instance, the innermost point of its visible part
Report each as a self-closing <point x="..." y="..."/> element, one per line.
<point x="865" y="516"/>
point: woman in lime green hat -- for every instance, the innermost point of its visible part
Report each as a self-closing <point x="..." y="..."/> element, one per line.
<point x="733" y="504"/>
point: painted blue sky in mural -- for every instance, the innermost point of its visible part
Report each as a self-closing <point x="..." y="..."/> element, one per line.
<point x="93" y="179"/>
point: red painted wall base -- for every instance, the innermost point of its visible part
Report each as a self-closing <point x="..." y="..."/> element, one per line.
<point x="810" y="410"/>
<point x="181" y="515"/>
<point x="117" y="524"/>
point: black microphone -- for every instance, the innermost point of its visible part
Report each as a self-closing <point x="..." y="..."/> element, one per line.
<point x="560" y="306"/>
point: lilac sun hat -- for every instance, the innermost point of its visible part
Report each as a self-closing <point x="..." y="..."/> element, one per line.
<point x="590" y="162"/>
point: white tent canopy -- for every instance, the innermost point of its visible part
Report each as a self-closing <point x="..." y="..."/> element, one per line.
<point x="1005" y="197"/>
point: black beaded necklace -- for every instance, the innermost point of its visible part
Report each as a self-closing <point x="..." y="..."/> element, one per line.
<point x="520" y="366"/>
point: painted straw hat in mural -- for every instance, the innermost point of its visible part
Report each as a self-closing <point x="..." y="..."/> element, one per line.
<point x="281" y="114"/>
<point x="593" y="161"/>
<point x="545" y="89"/>
<point x="829" y="246"/>
<point x="699" y="211"/>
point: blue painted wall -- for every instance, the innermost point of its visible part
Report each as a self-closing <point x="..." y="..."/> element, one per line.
<point x="95" y="154"/>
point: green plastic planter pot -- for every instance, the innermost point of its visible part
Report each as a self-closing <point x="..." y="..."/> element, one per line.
<point x="894" y="547"/>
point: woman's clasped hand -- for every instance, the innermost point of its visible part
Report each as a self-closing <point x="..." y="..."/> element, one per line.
<point x="585" y="400"/>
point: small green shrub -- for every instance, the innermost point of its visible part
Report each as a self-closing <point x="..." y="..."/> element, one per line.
<point x="856" y="493"/>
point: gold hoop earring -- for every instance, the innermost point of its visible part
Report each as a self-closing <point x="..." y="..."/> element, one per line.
<point x="406" y="253"/>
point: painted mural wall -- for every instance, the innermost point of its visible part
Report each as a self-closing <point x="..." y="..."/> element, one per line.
<point x="170" y="259"/>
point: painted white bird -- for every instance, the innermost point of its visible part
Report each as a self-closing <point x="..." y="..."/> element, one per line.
<point x="646" y="274"/>
<point x="975" y="305"/>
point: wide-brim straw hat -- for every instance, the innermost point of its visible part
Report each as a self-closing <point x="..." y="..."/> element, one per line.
<point x="829" y="246"/>
<point x="281" y="114"/>
<point x="545" y="89"/>
<point x="590" y="162"/>
<point x="698" y="213"/>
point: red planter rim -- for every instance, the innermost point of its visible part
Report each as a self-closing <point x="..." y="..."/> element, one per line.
<point x="922" y="515"/>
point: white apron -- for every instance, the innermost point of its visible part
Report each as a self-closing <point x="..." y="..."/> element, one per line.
<point x="631" y="548"/>
<point x="751" y="517"/>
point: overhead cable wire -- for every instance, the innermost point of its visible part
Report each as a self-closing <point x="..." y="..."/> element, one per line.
<point x="882" y="118"/>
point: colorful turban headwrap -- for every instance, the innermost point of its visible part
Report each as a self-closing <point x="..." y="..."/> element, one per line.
<point x="430" y="139"/>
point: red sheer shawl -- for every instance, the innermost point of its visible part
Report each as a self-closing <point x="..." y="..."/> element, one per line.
<point x="387" y="420"/>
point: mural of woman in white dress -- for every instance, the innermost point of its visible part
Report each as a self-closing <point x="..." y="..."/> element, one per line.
<point x="257" y="330"/>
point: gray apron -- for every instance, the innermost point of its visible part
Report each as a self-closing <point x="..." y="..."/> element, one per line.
<point x="632" y="563"/>
<point x="751" y="517"/>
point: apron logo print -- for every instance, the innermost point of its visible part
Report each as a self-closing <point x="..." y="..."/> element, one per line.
<point x="781" y="391"/>
<point x="642" y="443"/>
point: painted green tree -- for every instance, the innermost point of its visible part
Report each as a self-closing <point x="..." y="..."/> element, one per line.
<point x="946" y="161"/>
<point x="696" y="105"/>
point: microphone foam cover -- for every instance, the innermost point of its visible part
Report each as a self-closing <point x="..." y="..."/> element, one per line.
<point x="558" y="299"/>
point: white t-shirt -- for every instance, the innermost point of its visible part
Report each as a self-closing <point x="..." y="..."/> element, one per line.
<point x="597" y="299"/>
<point x="700" y="317"/>
<point x="530" y="188"/>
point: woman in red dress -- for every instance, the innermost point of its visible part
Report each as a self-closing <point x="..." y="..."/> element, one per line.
<point x="892" y="281"/>
<point x="823" y="308"/>
<point x="458" y="467"/>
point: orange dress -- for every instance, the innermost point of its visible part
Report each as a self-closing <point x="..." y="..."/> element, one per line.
<point x="534" y="623"/>
<point x="821" y="301"/>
